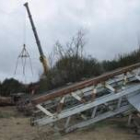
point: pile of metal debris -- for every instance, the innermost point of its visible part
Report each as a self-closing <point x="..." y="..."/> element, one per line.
<point x="84" y="103"/>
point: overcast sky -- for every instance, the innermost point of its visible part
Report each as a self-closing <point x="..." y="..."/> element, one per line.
<point x="112" y="27"/>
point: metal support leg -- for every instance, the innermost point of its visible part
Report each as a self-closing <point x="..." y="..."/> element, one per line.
<point x="94" y="112"/>
<point x="129" y="119"/>
<point x="94" y="92"/>
<point x="125" y="81"/>
<point x="60" y="106"/>
<point x="67" y="122"/>
<point x="119" y="103"/>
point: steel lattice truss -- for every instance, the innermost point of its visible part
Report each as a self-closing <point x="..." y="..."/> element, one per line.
<point x="89" y="101"/>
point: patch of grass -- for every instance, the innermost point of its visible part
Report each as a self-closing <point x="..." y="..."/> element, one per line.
<point x="103" y="123"/>
<point x="96" y="125"/>
<point x="121" y="125"/>
<point x="47" y="135"/>
<point x="5" y="115"/>
<point x="108" y="122"/>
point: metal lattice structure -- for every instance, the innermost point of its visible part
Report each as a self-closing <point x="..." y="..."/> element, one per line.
<point x="84" y="103"/>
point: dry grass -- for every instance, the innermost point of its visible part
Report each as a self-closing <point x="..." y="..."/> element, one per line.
<point x="16" y="127"/>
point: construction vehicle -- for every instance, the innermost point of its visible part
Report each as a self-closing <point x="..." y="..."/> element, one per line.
<point x="23" y="103"/>
<point x="42" y="56"/>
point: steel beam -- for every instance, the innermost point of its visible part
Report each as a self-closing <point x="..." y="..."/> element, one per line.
<point x="84" y="84"/>
<point x="83" y="107"/>
<point x="98" y="118"/>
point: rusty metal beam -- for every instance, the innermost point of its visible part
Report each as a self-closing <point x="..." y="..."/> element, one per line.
<point x="83" y="84"/>
<point x="6" y="101"/>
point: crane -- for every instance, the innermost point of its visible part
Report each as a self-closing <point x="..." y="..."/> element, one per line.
<point x="42" y="56"/>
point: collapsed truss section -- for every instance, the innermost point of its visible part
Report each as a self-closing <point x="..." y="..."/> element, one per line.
<point x="89" y="101"/>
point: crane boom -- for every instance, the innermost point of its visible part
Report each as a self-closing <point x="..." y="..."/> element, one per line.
<point x="42" y="56"/>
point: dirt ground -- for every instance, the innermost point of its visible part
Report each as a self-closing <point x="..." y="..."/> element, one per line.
<point x="14" y="126"/>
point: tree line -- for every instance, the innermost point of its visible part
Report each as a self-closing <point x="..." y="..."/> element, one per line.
<point x="73" y="65"/>
<point x="11" y="86"/>
<point x="70" y="64"/>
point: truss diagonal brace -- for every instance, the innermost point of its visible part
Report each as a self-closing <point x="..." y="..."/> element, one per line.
<point x="44" y="110"/>
<point x="110" y="87"/>
<point x="77" y="97"/>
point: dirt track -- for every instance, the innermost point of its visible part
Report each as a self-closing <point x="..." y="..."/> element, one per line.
<point x="16" y="127"/>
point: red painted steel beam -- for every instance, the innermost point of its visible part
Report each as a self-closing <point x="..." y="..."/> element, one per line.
<point x="83" y="84"/>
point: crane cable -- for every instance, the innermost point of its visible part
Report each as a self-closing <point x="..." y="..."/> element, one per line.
<point x="24" y="53"/>
<point x="23" y="56"/>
